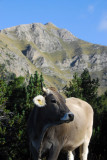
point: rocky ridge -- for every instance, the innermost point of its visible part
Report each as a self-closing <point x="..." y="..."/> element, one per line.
<point x="55" y="52"/>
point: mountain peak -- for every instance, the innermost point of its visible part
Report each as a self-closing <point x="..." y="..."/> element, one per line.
<point x="51" y="25"/>
<point x="46" y="37"/>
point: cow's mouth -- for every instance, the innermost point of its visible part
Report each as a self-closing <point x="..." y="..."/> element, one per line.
<point x="68" y="117"/>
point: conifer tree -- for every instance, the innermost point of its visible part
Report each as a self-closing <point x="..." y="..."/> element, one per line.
<point x="17" y="99"/>
<point x="90" y="87"/>
<point x="34" y="87"/>
<point x="83" y="87"/>
<point x="74" y="88"/>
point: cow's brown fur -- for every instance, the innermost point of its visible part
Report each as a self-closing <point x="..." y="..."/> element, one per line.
<point x="76" y="133"/>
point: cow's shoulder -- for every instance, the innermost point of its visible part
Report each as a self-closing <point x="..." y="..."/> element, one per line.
<point x="76" y="102"/>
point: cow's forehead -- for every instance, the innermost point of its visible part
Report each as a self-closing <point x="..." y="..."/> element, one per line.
<point x="52" y="95"/>
<point x="56" y="96"/>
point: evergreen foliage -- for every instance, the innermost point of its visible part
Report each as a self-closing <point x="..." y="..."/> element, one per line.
<point x="16" y="103"/>
<point x="86" y="88"/>
<point x="15" y="106"/>
<point x="74" y="88"/>
<point x="83" y="87"/>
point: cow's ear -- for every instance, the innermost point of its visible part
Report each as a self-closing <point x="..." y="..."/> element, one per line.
<point x="39" y="101"/>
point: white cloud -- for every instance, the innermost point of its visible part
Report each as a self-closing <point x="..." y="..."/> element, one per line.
<point x="91" y="8"/>
<point x="103" y="23"/>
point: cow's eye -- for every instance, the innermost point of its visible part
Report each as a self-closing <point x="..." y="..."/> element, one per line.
<point x="53" y="100"/>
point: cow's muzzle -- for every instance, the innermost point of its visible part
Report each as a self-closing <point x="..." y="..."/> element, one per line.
<point x="68" y="117"/>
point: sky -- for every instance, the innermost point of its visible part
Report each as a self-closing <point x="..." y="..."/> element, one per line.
<point x="85" y="19"/>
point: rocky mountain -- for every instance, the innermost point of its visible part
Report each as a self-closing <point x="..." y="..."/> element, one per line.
<point x="55" y="52"/>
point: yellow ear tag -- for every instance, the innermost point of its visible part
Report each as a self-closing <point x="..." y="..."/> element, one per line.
<point x="40" y="102"/>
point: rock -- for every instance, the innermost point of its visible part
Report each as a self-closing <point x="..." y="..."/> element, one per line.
<point x="66" y="35"/>
<point x="15" y="63"/>
<point x="31" y="53"/>
<point x="36" y="33"/>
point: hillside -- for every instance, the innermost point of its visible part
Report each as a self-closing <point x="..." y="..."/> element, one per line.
<point x="55" y="52"/>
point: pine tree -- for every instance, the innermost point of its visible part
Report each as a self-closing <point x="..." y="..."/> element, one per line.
<point x="83" y="87"/>
<point x="90" y="87"/>
<point x="74" y="88"/>
<point x="3" y="87"/>
<point x="34" y="87"/>
<point x="17" y="99"/>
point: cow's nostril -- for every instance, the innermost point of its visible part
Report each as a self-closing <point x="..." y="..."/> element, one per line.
<point x="71" y="116"/>
<point x="68" y="117"/>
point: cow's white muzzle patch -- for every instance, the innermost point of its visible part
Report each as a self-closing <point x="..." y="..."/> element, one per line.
<point x="39" y="101"/>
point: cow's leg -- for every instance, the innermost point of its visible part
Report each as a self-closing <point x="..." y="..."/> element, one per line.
<point x="81" y="152"/>
<point x="84" y="148"/>
<point x="54" y="152"/>
<point x="70" y="156"/>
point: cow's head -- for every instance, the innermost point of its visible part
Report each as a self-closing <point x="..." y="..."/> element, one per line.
<point x="52" y="107"/>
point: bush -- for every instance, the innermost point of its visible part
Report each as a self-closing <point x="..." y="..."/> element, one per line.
<point x="16" y="103"/>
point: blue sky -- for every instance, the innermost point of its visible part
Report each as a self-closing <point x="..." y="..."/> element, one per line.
<point x="86" y="19"/>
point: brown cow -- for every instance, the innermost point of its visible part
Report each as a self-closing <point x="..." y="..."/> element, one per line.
<point x="58" y="135"/>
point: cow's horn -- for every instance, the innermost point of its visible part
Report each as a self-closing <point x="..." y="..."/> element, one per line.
<point x="47" y="91"/>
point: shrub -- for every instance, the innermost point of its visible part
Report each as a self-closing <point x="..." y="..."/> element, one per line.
<point x="17" y="101"/>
